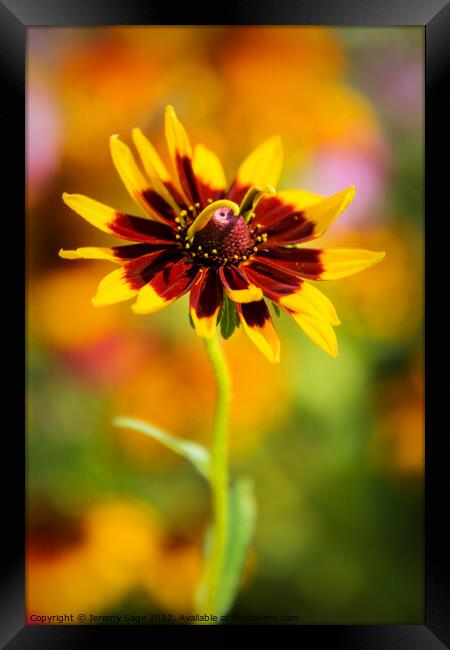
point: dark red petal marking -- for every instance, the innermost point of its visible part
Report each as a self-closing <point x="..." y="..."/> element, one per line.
<point x="304" y="262"/>
<point x="206" y="295"/>
<point x="255" y="314"/>
<point x="174" y="280"/>
<point x="273" y="281"/>
<point x="282" y="221"/>
<point x="187" y="178"/>
<point x="233" y="278"/>
<point x="272" y="208"/>
<point x="132" y="251"/>
<point x="175" y="194"/>
<point x="236" y="192"/>
<point x="290" y="230"/>
<point x="143" y="269"/>
<point x="142" y="230"/>
<point x="159" y="205"/>
<point x="206" y="192"/>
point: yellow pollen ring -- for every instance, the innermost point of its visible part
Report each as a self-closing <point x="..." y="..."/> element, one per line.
<point x="206" y="214"/>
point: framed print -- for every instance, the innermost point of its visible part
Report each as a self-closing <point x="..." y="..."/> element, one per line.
<point x="234" y="406"/>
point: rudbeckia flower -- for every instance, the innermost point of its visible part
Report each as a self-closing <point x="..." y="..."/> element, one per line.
<point x="234" y="250"/>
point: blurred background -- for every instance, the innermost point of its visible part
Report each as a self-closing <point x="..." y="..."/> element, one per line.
<point x="335" y="446"/>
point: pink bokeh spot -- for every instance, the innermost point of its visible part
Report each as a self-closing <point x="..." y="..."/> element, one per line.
<point x="43" y="130"/>
<point x="397" y="77"/>
<point x="402" y="87"/>
<point x="333" y="169"/>
<point x="110" y="360"/>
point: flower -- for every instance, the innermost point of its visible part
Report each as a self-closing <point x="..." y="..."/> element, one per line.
<point x="398" y="446"/>
<point x="89" y="562"/>
<point x="172" y="578"/>
<point x="231" y="249"/>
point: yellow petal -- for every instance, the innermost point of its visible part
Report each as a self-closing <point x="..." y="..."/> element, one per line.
<point x="89" y="253"/>
<point x="209" y="172"/>
<point x="298" y="199"/>
<point x="266" y="339"/>
<point x="264" y="336"/>
<point x="309" y="300"/>
<point x="131" y="176"/>
<point x="113" y="288"/>
<point x="205" y="326"/>
<point x="340" y="262"/>
<point x="181" y="156"/>
<point x="96" y="213"/>
<point x="263" y="165"/>
<point x="324" y="211"/>
<point x="154" y="167"/>
<point x="317" y="210"/>
<point x="149" y="302"/>
<point x="150" y="157"/>
<point x="177" y="139"/>
<point x="321" y="333"/>
<point x="250" y="294"/>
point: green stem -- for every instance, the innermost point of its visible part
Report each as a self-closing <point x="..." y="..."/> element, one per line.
<point x="218" y="477"/>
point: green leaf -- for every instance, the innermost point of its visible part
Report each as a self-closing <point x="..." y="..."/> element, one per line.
<point x="228" y="318"/>
<point x="191" y="322"/>
<point x="241" y="528"/>
<point x="195" y="453"/>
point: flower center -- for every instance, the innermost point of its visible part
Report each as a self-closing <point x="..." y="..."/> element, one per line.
<point x="226" y="238"/>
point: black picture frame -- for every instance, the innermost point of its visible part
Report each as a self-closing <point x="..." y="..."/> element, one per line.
<point x="434" y="15"/>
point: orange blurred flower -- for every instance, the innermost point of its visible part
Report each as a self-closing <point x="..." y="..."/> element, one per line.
<point x="386" y="303"/>
<point x="88" y="564"/>
<point x="290" y="79"/>
<point x="59" y="314"/>
<point x="98" y="559"/>
<point x="399" y="442"/>
<point x="172" y="579"/>
<point x="163" y="393"/>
